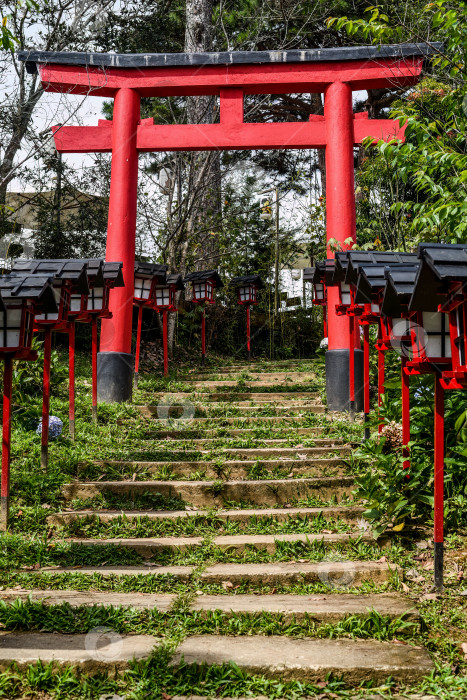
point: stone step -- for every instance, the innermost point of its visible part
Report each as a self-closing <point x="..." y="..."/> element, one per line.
<point x="235" y="469"/>
<point x="212" y="493"/>
<point x="278" y="447"/>
<point x="252" y="374"/>
<point x="248" y="383"/>
<point x="190" y="434"/>
<point x="340" y="575"/>
<point x="329" y="608"/>
<point x="245" y="515"/>
<point x="226" y="397"/>
<point x="219" y="421"/>
<point x="149" y="546"/>
<point x="90" y="652"/>
<point x="175" y="411"/>
<point x="310" y="660"/>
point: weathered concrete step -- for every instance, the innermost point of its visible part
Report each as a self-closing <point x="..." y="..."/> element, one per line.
<point x="207" y="493"/>
<point x="320" y="445"/>
<point x="227" y="397"/>
<point x="310" y="660"/>
<point x="248" y="383"/>
<point x="236" y="469"/>
<point x="155" y="411"/>
<point x="346" y="513"/>
<point x="90" y="652"/>
<point x="148" y="546"/>
<point x="280" y="447"/>
<point x="340" y="575"/>
<point x="328" y="608"/>
<point x="232" y="432"/>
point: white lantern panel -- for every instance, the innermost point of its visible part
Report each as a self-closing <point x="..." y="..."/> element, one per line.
<point x="162" y="296"/>
<point x="375" y="308"/>
<point x="345" y="294"/>
<point x="247" y="293"/>
<point x="433" y="321"/>
<point x="143" y="288"/>
<point x="319" y="291"/>
<point x="10" y="329"/>
<point x="200" y="290"/>
<point x="96" y="299"/>
<point x="75" y="302"/>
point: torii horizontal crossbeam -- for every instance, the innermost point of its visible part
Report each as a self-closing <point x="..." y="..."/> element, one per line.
<point x="230" y="135"/>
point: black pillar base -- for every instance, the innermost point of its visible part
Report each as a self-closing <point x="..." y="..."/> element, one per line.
<point x="439" y="565"/>
<point x="337" y="380"/>
<point x="115" y="376"/>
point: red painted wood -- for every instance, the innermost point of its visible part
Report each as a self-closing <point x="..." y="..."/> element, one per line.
<point x="46" y="396"/>
<point x="439" y="462"/>
<point x="405" y="413"/>
<point x="116" y="332"/>
<point x="231" y="106"/>
<point x="138" y="337"/>
<point x="94" y="351"/>
<point x="165" y="342"/>
<point x="203" y="333"/>
<point x="381" y="373"/>
<point x="252" y="79"/>
<point x="71" y="378"/>
<point x="340" y="194"/>
<point x="248" y="338"/>
<point x="6" y="439"/>
<point x="231" y="134"/>
<point x="366" y="369"/>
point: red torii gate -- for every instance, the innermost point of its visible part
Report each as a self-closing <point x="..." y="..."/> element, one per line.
<point x="230" y="75"/>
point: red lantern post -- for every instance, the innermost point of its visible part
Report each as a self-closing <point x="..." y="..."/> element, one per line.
<point x="203" y="284"/>
<point x="147" y="277"/>
<point x="247" y="287"/>
<point x="165" y="301"/>
<point x="21" y="297"/>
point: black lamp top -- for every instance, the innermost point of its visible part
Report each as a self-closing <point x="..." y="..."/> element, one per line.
<point x="37" y="288"/>
<point x="399" y="288"/>
<point x="309" y="274"/>
<point x="61" y="271"/>
<point x="150" y="270"/>
<point x="175" y="279"/>
<point x="247" y="280"/>
<point x="440" y="264"/>
<point x="356" y="258"/>
<point x="203" y="275"/>
<point x="113" y="274"/>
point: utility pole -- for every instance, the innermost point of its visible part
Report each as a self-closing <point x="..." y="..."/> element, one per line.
<point x="276" y="265"/>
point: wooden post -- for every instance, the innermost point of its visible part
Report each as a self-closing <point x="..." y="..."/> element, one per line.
<point x="405" y="413"/>
<point x="164" y="342"/>
<point x="138" y="343"/>
<point x="203" y="338"/>
<point x="366" y="378"/>
<point x="46" y="398"/>
<point x="71" y="378"/>
<point x="94" y="367"/>
<point x="439" y="485"/>
<point x="6" y="442"/>
<point x="248" y="337"/>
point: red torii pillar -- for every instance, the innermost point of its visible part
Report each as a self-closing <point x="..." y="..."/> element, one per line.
<point x="334" y="72"/>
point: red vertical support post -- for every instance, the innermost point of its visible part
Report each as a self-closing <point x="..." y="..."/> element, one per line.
<point x="248" y="335"/>
<point x="381" y="373"/>
<point x="165" y="342"/>
<point x="71" y="378"/>
<point x="352" y="325"/>
<point x="439" y="484"/>
<point x="6" y="442"/>
<point x="366" y="378"/>
<point x="405" y="413"/>
<point x="138" y="343"/>
<point x="116" y="363"/>
<point x="94" y="349"/>
<point x="203" y="337"/>
<point x="340" y="226"/>
<point x="46" y="398"/>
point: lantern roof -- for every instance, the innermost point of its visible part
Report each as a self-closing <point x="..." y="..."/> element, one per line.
<point x="440" y="265"/>
<point x="371" y="280"/>
<point x="399" y="288"/>
<point x="356" y="258"/>
<point x="37" y="288"/>
<point x="176" y="279"/>
<point x="203" y="275"/>
<point x="73" y="271"/>
<point x="151" y="270"/>
<point x="309" y="274"/>
<point x="340" y="266"/>
<point x="113" y="274"/>
<point x="247" y="280"/>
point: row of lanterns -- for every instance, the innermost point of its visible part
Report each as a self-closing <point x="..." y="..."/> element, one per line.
<point x="419" y="303"/>
<point x="156" y="290"/>
<point x="48" y="296"/>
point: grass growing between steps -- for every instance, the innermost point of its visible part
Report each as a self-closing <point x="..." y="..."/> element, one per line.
<point x="200" y="525"/>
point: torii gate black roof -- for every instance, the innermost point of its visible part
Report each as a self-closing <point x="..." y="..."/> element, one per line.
<point x="161" y="60"/>
<point x="440" y="264"/>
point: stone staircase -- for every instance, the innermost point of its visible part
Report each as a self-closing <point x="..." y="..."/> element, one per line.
<point x="244" y="513"/>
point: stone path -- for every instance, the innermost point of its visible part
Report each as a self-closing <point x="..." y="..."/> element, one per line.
<point x="236" y="514"/>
